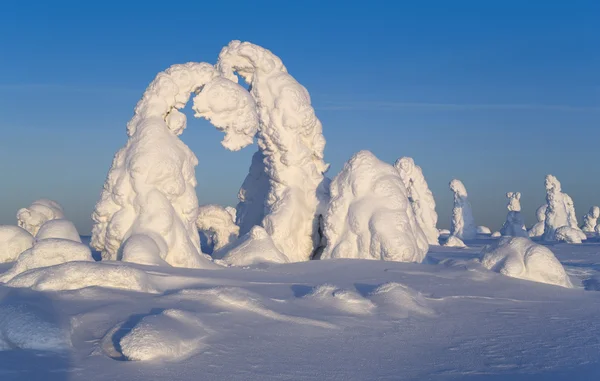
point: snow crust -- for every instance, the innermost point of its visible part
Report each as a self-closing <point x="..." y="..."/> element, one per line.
<point x="463" y="224"/>
<point x="483" y="230"/>
<point x="291" y="143"/>
<point x="59" y="228"/>
<point x="537" y="230"/>
<point x="420" y="197"/>
<point x="218" y="224"/>
<point x="560" y="211"/>
<point x="36" y="214"/>
<point x="454" y="241"/>
<point x="519" y="257"/>
<point x="514" y="226"/>
<point x="569" y="235"/>
<point x="254" y="247"/>
<point x="370" y="215"/>
<point x="590" y="219"/>
<point x="13" y="241"/>
<point x="150" y="188"/>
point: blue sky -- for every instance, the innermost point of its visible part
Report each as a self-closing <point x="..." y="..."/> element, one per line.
<point x="495" y="93"/>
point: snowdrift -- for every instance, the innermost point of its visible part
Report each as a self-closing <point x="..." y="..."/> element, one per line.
<point x="254" y="247"/>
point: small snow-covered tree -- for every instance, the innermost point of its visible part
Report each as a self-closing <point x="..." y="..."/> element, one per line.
<point x="38" y="213"/>
<point x="463" y="223"/>
<point x="537" y="230"/>
<point x="370" y="216"/>
<point x="420" y="197"/>
<point x="590" y="219"/>
<point x="514" y="226"/>
<point x="560" y="211"/>
<point x="218" y="223"/>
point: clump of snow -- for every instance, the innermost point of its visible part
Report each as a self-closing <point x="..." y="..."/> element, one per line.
<point x="169" y="336"/>
<point x="13" y="241"/>
<point x="463" y="224"/>
<point x="444" y="231"/>
<point x="150" y="188"/>
<point x="78" y="275"/>
<point x="420" y="197"/>
<point x="60" y="228"/>
<point x="569" y="235"/>
<point x="23" y="328"/>
<point x="400" y="300"/>
<point x="285" y="179"/>
<point x="519" y="257"/>
<point x="143" y="249"/>
<point x="370" y="216"/>
<point x="590" y="219"/>
<point x="454" y="241"/>
<point x="252" y="248"/>
<point x="348" y="301"/>
<point x="36" y="214"/>
<point x="496" y="235"/>
<point x="514" y="226"/>
<point x="483" y="230"/>
<point x="218" y="224"/>
<point x="48" y="252"/>
<point x="537" y="230"/>
<point x="560" y="211"/>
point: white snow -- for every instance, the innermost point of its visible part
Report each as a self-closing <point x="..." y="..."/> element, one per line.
<point x="444" y="231"/>
<point x="483" y="230"/>
<point x="519" y="257"/>
<point x="150" y="188"/>
<point x="463" y="224"/>
<point x="48" y="252"/>
<point x="514" y="226"/>
<point x="420" y="197"/>
<point x="26" y="328"/>
<point x="590" y="219"/>
<point x="454" y="241"/>
<point x="59" y="228"/>
<point x="560" y="211"/>
<point x="291" y="145"/>
<point x="252" y="248"/>
<point x="218" y="224"/>
<point x="370" y="216"/>
<point x="496" y="235"/>
<point x="537" y="230"/>
<point x="36" y="214"/>
<point x="569" y="235"/>
<point x="13" y="241"/>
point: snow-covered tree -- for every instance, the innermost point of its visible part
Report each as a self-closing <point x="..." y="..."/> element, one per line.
<point x="463" y="223"/>
<point x="420" y="197"/>
<point x="590" y="219"/>
<point x="149" y="195"/>
<point x="514" y="226"/>
<point x="291" y="145"/>
<point x="38" y="213"/>
<point x="370" y="215"/>
<point x="560" y="211"/>
<point x="218" y="224"/>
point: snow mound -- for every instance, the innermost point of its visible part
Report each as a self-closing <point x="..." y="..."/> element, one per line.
<point x="59" y="228"/>
<point x="463" y="224"/>
<point x="400" y="300"/>
<point x="483" y="230"/>
<point x="560" y="211"/>
<point x="569" y="235"/>
<point x="537" y="230"/>
<point x="519" y="257"/>
<point x="169" y="336"/>
<point x="514" y="226"/>
<point x="496" y="235"/>
<point x="252" y="248"/>
<point x="590" y="219"/>
<point x="340" y="299"/>
<point x="78" y="275"/>
<point x="218" y="224"/>
<point x="36" y="214"/>
<point x="420" y="197"/>
<point x="290" y="167"/>
<point x="48" y="252"/>
<point x="23" y="328"/>
<point x="13" y="241"/>
<point x="370" y="216"/>
<point x="454" y="241"/>
<point x="143" y="249"/>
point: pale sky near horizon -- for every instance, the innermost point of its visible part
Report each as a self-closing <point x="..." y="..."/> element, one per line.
<point x="497" y="94"/>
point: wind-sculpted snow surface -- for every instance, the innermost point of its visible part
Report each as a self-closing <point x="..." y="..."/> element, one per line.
<point x="537" y="230"/>
<point x="590" y="220"/>
<point x="560" y="211"/>
<point x="420" y="197"/>
<point x="514" y="226"/>
<point x="291" y="143"/>
<point x="218" y="224"/>
<point x="463" y="224"/>
<point x="370" y="216"/>
<point x="519" y="257"/>
<point x="13" y="241"/>
<point x="36" y="214"/>
<point x="150" y="188"/>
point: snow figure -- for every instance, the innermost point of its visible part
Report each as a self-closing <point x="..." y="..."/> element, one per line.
<point x="370" y="215"/>
<point x="454" y="241"/>
<point x="514" y="226"/>
<point x="150" y="188"/>
<point x="420" y="197"/>
<point x="283" y="190"/>
<point x="537" y="230"/>
<point x="569" y="235"/>
<point x="13" y="241"/>
<point x="218" y="223"/>
<point x="483" y="230"/>
<point x="590" y="219"/>
<point x="463" y="224"/>
<point x="560" y="211"/>
<point x="519" y="257"/>
<point x="35" y="215"/>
